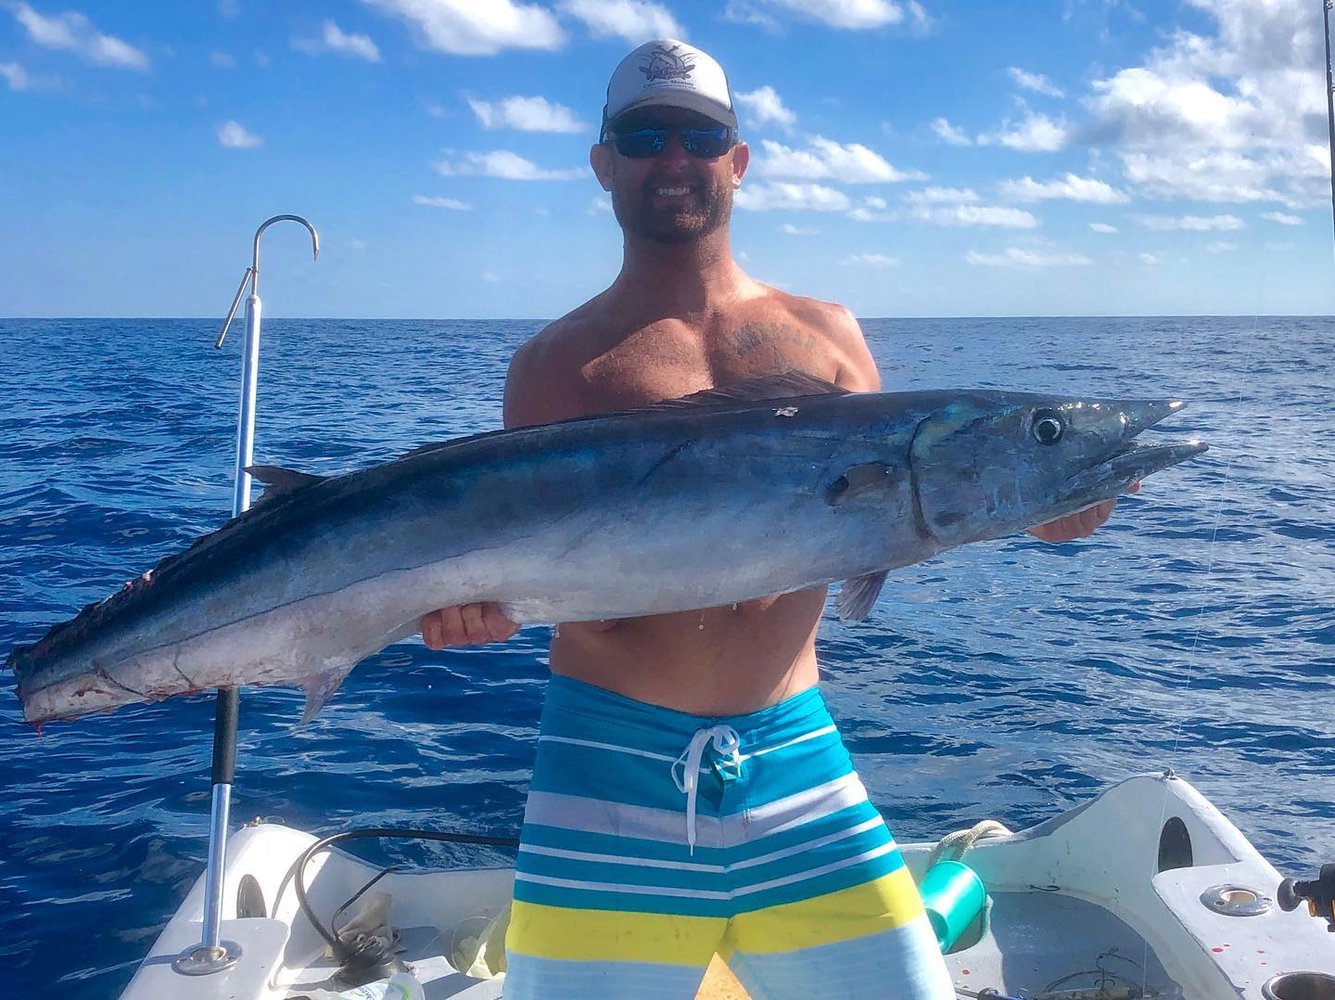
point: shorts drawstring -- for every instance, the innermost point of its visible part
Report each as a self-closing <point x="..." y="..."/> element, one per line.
<point x="728" y="763"/>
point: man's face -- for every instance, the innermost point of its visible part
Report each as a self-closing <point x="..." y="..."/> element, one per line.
<point x="674" y="196"/>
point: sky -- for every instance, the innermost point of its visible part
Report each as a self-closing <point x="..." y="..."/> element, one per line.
<point x="909" y="157"/>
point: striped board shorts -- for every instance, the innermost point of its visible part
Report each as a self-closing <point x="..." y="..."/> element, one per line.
<point x="653" y="839"/>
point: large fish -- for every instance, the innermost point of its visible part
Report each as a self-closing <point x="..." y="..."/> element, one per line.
<point x="765" y="487"/>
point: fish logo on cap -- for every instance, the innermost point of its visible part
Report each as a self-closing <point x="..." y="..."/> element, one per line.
<point x="664" y="63"/>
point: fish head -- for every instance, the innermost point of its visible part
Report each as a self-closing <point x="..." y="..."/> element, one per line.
<point x="989" y="464"/>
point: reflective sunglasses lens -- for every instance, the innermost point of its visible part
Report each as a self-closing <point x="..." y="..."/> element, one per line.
<point x="640" y="144"/>
<point x="706" y="143"/>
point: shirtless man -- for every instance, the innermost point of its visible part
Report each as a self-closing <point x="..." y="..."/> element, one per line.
<point x="690" y="793"/>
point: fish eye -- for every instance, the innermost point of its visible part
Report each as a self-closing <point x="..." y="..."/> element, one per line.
<point x="1048" y="426"/>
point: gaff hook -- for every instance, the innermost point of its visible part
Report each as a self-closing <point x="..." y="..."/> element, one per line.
<point x="253" y="272"/>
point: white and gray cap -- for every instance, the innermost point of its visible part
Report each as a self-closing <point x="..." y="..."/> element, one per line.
<point x="669" y="73"/>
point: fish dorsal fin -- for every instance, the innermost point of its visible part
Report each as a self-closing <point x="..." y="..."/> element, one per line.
<point x="281" y="482"/>
<point x="791" y="384"/>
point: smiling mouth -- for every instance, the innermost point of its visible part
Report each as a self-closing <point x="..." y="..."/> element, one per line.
<point x="678" y="191"/>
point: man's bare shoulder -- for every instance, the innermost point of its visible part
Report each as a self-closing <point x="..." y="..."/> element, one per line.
<point x="829" y="318"/>
<point x="797" y="329"/>
<point x="562" y="335"/>
<point x="544" y="379"/>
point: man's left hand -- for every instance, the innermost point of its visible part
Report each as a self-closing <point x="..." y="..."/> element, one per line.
<point x="1081" y="524"/>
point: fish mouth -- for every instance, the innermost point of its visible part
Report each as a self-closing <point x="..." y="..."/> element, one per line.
<point x="1133" y="461"/>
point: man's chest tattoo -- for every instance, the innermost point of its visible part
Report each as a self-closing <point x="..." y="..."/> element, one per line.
<point x="772" y="340"/>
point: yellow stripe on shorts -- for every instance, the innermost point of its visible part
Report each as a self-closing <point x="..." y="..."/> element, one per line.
<point x="556" y="932"/>
<point x="882" y="904"/>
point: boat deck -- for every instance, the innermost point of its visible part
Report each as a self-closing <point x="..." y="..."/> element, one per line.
<point x="1043" y="942"/>
<point x="1031" y="943"/>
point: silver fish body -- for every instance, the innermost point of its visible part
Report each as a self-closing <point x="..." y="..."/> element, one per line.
<point x="719" y="498"/>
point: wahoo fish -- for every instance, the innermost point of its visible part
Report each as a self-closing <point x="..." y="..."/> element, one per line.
<point x="764" y="487"/>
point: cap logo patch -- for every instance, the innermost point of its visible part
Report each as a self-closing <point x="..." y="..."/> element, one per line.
<point x="666" y="64"/>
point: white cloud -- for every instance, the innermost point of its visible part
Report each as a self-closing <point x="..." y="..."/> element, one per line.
<point x="333" y="39"/>
<point x="527" y="114"/>
<point x="1102" y="227"/>
<point x="1036" y="82"/>
<point x="1282" y="218"/>
<point x="873" y="209"/>
<point x="849" y="14"/>
<point x="1217" y="175"/>
<point x="437" y="201"/>
<point x="763" y="106"/>
<point x="506" y="165"/>
<point x="1220" y="246"/>
<point x="780" y="196"/>
<point x="1191" y="223"/>
<point x="1228" y="116"/>
<point x="976" y="215"/>
<point x="635" y="21"/>
<point x="470" y="28"/>
<point x="1028" y="259"/>
<point x="16" y="76"/>
<point x="222" y="60"/>
<point x="876" y="260"/>
<point x="938" y="195"/>
<point x="73" y="32"/>
<point x="1069" y="187"/>
<point x="949" y="134"/>
<point x="793" y="230"/>
<point x="943" y="206"/>
<point x="234" y="135"/>
<point x="1149" y="259"/>
<point x="824" y="159"/>
<point x="1035" y="134"/>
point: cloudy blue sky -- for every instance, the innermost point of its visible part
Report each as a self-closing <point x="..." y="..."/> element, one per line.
<point x="911" y="157"/>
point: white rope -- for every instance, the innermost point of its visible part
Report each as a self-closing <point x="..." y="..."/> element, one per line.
<point x="953" y="845"/>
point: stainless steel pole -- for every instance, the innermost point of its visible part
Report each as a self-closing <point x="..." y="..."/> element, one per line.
<point x="213" y="954"/>
<point x="1330" y="102"/>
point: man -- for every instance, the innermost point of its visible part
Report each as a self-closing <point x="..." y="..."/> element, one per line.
<point x="690" y="793"/>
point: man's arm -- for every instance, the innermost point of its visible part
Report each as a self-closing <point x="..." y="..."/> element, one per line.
<point x="471" y="624"/>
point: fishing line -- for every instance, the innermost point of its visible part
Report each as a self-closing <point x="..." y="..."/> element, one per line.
<point x="1192" y="656"/>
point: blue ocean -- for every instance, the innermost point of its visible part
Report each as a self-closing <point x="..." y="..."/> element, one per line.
<point x="1007" y="680"/>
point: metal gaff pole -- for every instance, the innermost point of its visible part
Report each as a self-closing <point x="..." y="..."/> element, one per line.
<point x="1330" y="100"/>
<point x="212" y="954"/>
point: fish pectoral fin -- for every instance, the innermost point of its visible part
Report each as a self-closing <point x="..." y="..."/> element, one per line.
<point x="280" y="482"/>
<point x="860" y="479"/>
<point x="858" y="595"/>
<point x="320" y="688"/>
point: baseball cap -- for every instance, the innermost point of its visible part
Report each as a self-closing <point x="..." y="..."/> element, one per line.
<point x="669" y="73"/>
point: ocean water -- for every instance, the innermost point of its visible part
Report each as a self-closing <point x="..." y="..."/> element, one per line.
<point x="1009" y="680"/>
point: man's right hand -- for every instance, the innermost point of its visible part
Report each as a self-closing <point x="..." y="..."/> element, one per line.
<point x="466" y="625"/>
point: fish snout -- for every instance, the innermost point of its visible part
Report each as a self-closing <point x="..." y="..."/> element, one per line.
<point x="1146" y="413"/>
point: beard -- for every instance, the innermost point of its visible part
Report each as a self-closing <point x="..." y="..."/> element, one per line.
<point x="701" y="213"/>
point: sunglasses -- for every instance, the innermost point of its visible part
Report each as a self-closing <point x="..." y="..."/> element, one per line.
<point x="647" y="142"/>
